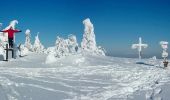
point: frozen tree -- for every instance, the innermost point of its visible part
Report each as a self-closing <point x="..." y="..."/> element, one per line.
<point x="2" y="43"/>
<point x="72" y="44"/>
<point x="23" y="51"/>
<point x="89" y="42"/>
<point x="38" y="47"/>
<point x="139" y="46"/>
<point x="66" y="47"/>
<point x="2" y="39"/>
<point x="50" y="50"/>
<point x="28" y="44"/>
<point x="61" y="47"/>
<point x="2" y="51"/>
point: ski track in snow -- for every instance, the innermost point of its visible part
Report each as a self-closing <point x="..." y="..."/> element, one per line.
<point x="94" y="78"/>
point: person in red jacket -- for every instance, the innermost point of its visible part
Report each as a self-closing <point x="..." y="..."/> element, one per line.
<point x="11" y="33"/>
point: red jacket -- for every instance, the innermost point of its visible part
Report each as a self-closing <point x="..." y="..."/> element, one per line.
<point x="11" y="32"/>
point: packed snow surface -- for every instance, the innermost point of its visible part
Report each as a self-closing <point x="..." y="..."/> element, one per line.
<point x="79" y="77"/>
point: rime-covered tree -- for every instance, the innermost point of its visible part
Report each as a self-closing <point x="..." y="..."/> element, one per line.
<point x="72" y="43"/>
<point x="89" y="41"/>
<point x="38" y="47"/>
<point x="28" y="44"/>
<point x="61" y="47"/>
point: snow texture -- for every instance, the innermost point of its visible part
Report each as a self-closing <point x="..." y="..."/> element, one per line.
<point x="80" y="77"/>
<point x="89" y="41"/>
<point x="50" y="58"/>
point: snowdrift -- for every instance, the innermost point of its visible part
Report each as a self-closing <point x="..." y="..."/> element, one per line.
<point x="79" y="77"/>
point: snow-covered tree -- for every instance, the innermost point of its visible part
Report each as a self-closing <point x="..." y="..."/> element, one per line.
<point x="72" y="44"/>
<point x="2" y="39"/>
<point x="23" y="51"/>
<point x="38" y="47"/>
<point x="89" y="41"/>
<point x="61" y="47"/>
<point x="28" y="44"/>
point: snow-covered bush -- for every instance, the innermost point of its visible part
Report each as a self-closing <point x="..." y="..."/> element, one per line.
<point x="100" y="51"/>
<point x="2" y="52"/>
<point x="28" y="44"/>
<point x="65" y="47"/>
<point x="72" y="44"/>
<point x="2" y="41"/>
<point x="23" y="50"/>
<point x="50" y="50"/>
<point x="38" y="47"/>
<point x="50" y="58"/>
<point x="61" y="48"/>
<point x="89" y="41"/>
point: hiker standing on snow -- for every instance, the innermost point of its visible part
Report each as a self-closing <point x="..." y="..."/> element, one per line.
<point x="11" y="33"/>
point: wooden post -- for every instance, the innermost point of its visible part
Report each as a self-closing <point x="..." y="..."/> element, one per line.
<point x="165" y="64"/>
<point x="12" y="53"/>
<point x="6" y="52"/>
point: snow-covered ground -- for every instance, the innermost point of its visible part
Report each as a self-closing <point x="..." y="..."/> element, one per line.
<point x="82" y="77"/>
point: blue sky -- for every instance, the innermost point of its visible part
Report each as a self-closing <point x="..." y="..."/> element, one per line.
<point x="118" y="23"/>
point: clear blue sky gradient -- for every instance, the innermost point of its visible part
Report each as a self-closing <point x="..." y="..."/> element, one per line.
<point x="118" y="23"/>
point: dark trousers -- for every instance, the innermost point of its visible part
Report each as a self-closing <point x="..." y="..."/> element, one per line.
<point x="11" y="42"/>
